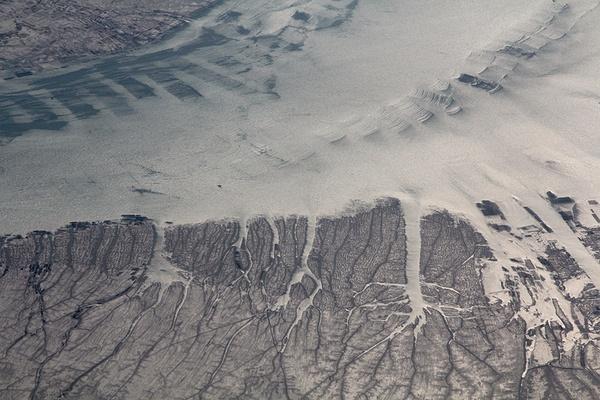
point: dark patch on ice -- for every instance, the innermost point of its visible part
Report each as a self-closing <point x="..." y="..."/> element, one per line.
<point x="242" y="30"/>
<point x="517" y="51"/>
<point x="294" y="47"/>
<point x="145" y="191"/>
<point x="229" y="16"/>
<point x="301" y="16"/>
<point x="138" y="89"/>
<point x="226" y="61"/>
<point x="31" y="105"/>
<point x="567" y="216"/>
<point x="352" y="5"/>
<point x="489" y="209"/>
<point x="21" y="73"/>
<point x="554" y="199"/>
<point x="133" y="218"/>
<point x="10" y="129"/>
<point x="161" y="76"/>
<point x="208" y="38"/>
<point x="270" y="84"/>
<point x="538" y="219"/>
<point x="489" y="86"/>
<point x="501" y="227"/>
<point x="113" y="100"/>
<point x="71" y="98"/>
<point x="182" y="90"/>
<point x="202" y="11"/>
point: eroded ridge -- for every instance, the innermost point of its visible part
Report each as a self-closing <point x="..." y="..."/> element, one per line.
<point x="548" y="280"/>
<point x="291" y="307"/>
<point x="527" y="48"/>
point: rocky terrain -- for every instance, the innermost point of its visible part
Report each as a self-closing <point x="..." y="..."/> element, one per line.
<point x="37" y="34"/>
<point x="291" y="308"/>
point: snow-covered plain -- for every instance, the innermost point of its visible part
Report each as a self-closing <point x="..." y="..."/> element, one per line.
<point x="351" y="117"/>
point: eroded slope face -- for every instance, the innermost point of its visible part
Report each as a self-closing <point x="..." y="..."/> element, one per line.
<point x="290" y="307"/>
